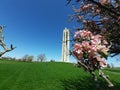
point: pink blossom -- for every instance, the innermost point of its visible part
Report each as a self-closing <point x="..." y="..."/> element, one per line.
<point x="80" y="17"/>
<point x="105" y="42"/>
<point x="96" y="40"/>
<point x="93" y="48"/>
<point x="76" y="33"/>
<point x="87" y="7"/>
<point x="85" y="45"/>
<point x="98" y="10"/>
<point x="102" y="61"/>
<point x="103" y="2"/>
<point x="91" y="44"/>
<point x="77" y="46"/>
<point x="78" y="51"/>
<point x="102" y="48"/>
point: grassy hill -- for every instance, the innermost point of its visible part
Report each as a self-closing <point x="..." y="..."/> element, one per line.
<point x="50" y="76"/>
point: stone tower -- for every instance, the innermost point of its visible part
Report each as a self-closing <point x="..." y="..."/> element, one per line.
<point x="65" y="45"/>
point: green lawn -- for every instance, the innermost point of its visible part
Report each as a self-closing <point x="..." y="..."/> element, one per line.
<point x="50" y="76"/>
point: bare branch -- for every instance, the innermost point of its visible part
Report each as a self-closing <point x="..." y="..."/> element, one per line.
<point x="3" y="44"/>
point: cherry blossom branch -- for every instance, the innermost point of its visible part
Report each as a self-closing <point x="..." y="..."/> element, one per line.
<point x="113" y="13"/>
<point x="104" y="7"/>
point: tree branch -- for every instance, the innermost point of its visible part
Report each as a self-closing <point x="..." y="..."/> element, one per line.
<point x="104" y="7"/>
<point x="3" y="44"/>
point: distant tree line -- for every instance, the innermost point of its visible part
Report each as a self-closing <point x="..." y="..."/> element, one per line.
<point x="7" y="58"/>
<point x="28" y="58"/>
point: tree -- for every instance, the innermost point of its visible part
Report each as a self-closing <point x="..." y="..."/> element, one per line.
<point x="101" y="17"/>
<point x="52" y="60"/>
<point x="28" y="58"/>
<point x="112" y="65"/>
<point x="2" y="44"/>
<point x="25" y="57"/>
<point x="98" y="32"/>
<point x="41" y="57"/>
<point x="108" y="65"/>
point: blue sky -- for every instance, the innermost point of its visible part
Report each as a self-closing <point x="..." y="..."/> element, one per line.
<point x="36" y="26"/>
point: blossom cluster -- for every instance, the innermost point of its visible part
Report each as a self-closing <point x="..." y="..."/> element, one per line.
<point x="103" y="2"/>
<point x="91" y="47"/>
<point x="83" y="8"/>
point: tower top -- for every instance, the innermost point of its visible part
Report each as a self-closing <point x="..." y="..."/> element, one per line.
<point x="66" y="29"/>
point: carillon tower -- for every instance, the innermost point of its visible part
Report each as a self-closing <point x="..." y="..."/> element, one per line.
<point x="65" y="45"/>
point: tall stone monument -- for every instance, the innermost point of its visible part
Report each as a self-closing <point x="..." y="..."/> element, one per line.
<point x="65" y="45"/>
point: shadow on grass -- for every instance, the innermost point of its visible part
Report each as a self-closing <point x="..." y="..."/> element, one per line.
<point x="116" y="86"/>
<point x="87" y="83"/>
